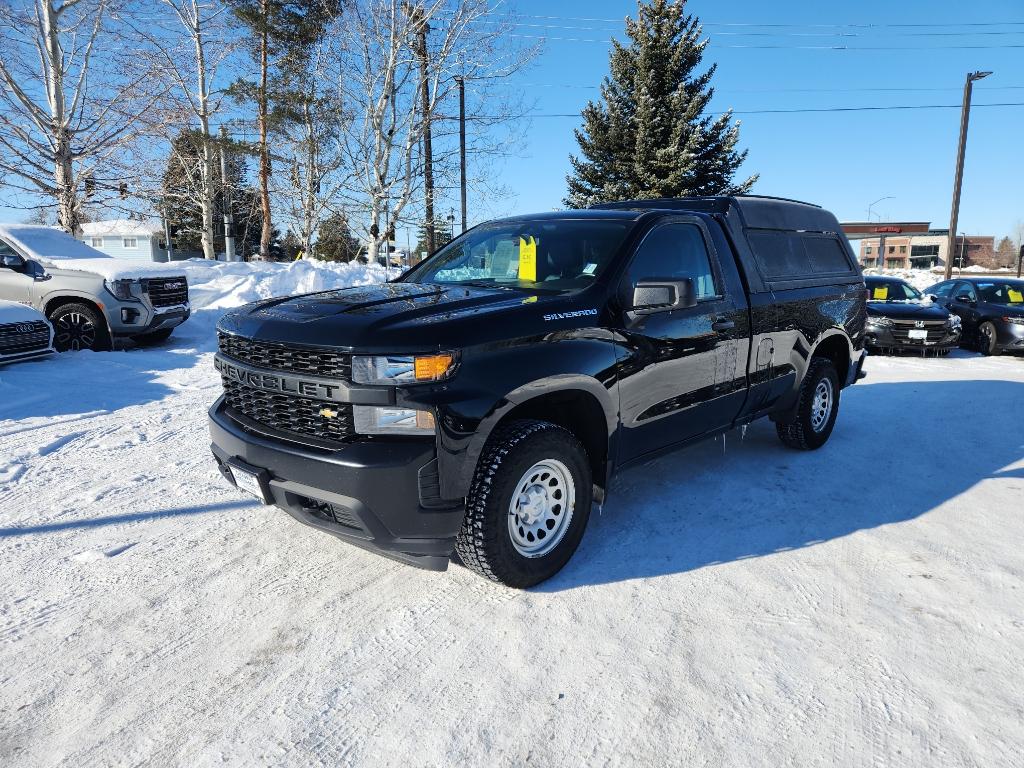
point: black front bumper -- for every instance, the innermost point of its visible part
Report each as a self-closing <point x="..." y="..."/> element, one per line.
<point x="881" y="337"/>
<point x="367" y="493"/>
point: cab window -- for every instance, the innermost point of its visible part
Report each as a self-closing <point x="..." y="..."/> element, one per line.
<point x="942" y="290"/>
<point x="673" y="252"/>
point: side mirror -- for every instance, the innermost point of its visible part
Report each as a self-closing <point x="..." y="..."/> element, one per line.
<point x="12" y="261"/>
<point x="931" y="297"/>
<point x="966" y="300"/>
<point x="652" y="295"/>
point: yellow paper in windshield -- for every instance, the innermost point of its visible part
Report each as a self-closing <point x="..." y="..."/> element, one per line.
<point x="528" y="259"/>
<point x="1016" y="297"/>
<point x="881" y="293"/>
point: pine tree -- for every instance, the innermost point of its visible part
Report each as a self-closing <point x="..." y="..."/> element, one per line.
<point x="648" y="136"/>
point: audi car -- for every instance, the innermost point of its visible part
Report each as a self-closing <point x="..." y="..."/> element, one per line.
<point x="24" y="333"/>
<point x="901" y="318"/>
<point x="991" y="310"/>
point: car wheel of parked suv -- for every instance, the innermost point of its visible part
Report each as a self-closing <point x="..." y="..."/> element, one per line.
<point x="987" y="339"/>
<point x="528" y="505"/>
<point x="154" y="338"/>
<point x="78" y="326"/>
<point x="816" y="409"/>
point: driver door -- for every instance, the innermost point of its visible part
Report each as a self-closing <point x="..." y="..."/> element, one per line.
<point x="15" y="280"/>
<point x="965" y="304"/>
<point x="669" y="361"/>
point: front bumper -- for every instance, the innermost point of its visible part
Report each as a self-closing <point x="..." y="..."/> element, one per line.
<point x="129" y="318"/>
<point x="881" y="337"/>
<point x="366" y="493"/>
<point x="1009" y="336"/>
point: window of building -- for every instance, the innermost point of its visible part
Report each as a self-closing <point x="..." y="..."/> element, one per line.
<point x="920" y="251"/>
<point x="130" y="242"/>
<point x="96" y="242"/>
<point x="896" y="263"/>
<point x="868" y="250"/>
<point x="892" y="249"/>
<point x="903" y="249"/>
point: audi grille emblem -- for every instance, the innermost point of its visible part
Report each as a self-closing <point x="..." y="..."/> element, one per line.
<point x="919" y="323"/>
<point x="24" y="328"/>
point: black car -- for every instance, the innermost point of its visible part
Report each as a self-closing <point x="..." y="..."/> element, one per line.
<point x="992" y="311"/>
<point x="901" y="318"/>
<point x="481" y="402"/>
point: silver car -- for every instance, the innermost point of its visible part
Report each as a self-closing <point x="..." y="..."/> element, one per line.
<point x="92" y="299"/>
<point x="24" y="333"/>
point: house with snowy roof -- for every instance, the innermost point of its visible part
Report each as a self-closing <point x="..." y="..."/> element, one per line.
<point x="126" y="239"/>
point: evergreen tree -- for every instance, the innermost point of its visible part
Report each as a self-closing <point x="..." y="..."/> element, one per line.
<point x="442" y="236"/>
<point x="648" y="135"/>
<point x="334" y="240"/>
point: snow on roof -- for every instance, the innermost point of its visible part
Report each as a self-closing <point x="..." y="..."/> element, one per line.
<point x="58" y="249"/>
<point x="120" y="227"/>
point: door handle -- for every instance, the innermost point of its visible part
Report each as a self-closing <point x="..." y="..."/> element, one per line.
<point x="723" y="325"/>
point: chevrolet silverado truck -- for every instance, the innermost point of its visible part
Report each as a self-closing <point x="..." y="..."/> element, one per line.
<point x="479" y="404"/>
<point x="92" y="299"/>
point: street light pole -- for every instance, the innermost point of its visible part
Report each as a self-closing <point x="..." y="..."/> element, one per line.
<point x="462" y="145"/>
<point x="954" y="215"/>
<point x="887" y="197"/>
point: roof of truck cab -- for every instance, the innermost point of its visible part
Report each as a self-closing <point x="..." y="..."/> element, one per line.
<point x="756" y="211"/>
<point x="592" y="214"/>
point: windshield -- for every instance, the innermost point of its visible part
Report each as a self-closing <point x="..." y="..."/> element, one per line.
<point x="544" y="255"/>
<point x="892" y="290"/>
<point x="1009" y="294"/>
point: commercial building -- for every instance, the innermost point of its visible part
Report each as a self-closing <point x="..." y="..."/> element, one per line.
<point x="915" y="245"/>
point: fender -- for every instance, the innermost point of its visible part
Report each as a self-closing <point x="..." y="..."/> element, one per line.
<point x="60" y="296"/>
<point x="459" y="467"/>
<point x="787" y="409"/>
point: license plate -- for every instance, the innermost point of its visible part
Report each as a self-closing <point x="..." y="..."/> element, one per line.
<point x="249" y="482"/>
<point x="918" y="334"/>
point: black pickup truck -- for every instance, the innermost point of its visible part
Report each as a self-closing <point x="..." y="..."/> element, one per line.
<point x="480" y="403"/>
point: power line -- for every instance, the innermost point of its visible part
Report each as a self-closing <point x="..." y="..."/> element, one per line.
<point x="720" y="91"/>
<point x="792" y="25"/>
<point x="790" y="47"/>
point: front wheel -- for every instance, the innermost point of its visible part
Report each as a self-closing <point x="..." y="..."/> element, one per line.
<point x="79" y="326"/>
<point x="528" y="505"/>
<point x="987" y="339"/>
<point x="816" y="409"/>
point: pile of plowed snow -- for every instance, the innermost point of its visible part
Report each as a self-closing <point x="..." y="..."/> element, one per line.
<point x="220" y="285"/>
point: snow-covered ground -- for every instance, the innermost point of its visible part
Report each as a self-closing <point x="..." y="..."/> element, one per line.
<point x="733" y="604"/>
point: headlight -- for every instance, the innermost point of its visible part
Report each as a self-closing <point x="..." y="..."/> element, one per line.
<point x="121" y="288"/>
<point x="885" y="322"/>
<point x="377" y="420"/>
<point x="953" y="321"/>
<point x="401" y="369"/>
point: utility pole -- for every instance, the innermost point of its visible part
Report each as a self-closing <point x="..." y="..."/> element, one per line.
<point x="167" y="238"/>
<point x="229" y="218"/>
<point x="954" y="215"/>
<point x="462" y="144"/>
<point x="420" y="29"/>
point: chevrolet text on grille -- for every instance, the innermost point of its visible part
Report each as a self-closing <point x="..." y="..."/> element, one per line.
<point x="321" y="390"/>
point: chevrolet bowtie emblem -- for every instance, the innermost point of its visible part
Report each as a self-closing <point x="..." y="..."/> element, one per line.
<point x="327" y="413"/>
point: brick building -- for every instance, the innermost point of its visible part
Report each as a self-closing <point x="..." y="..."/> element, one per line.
<point x="914" y="245"/>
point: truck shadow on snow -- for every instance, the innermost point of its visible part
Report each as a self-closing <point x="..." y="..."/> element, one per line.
<point x="899" y="450"/>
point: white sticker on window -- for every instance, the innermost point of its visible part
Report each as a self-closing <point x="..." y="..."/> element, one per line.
<point x="589" y="269"/>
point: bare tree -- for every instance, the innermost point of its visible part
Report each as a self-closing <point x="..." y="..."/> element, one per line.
<point x="188" y="43"/>
<point x="396" y="85"/>
<point x="68" y="106"/>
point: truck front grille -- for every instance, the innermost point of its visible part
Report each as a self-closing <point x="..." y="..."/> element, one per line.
<point x="19" y="338"/>
<point x="290" y="414"/>
<point x="167" y="292"/>
<point x="282" y="357"/>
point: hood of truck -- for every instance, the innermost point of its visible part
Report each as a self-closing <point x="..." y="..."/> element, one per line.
<point x="400" y="317"/>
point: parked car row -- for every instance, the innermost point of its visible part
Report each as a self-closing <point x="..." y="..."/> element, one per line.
<point x="978" y="313"/>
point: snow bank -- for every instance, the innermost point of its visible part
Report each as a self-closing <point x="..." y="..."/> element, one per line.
<point x="216" y="285"/>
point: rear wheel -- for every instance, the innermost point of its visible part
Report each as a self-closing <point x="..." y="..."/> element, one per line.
<point x="987" y="339"/>
<point x="528" y="505"/>
<point x="816" y="409"/>
<point x="79" y="326"/>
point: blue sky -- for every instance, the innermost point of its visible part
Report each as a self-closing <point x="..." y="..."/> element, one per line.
<point x="842" y="160"/>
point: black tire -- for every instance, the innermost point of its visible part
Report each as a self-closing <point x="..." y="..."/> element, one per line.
<point x="485" y="543"/>
<point x="154" y="338"/>
<point x="79" y="326"/>
<point x="987" y="339"/>
<point x="806" y="432"/>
